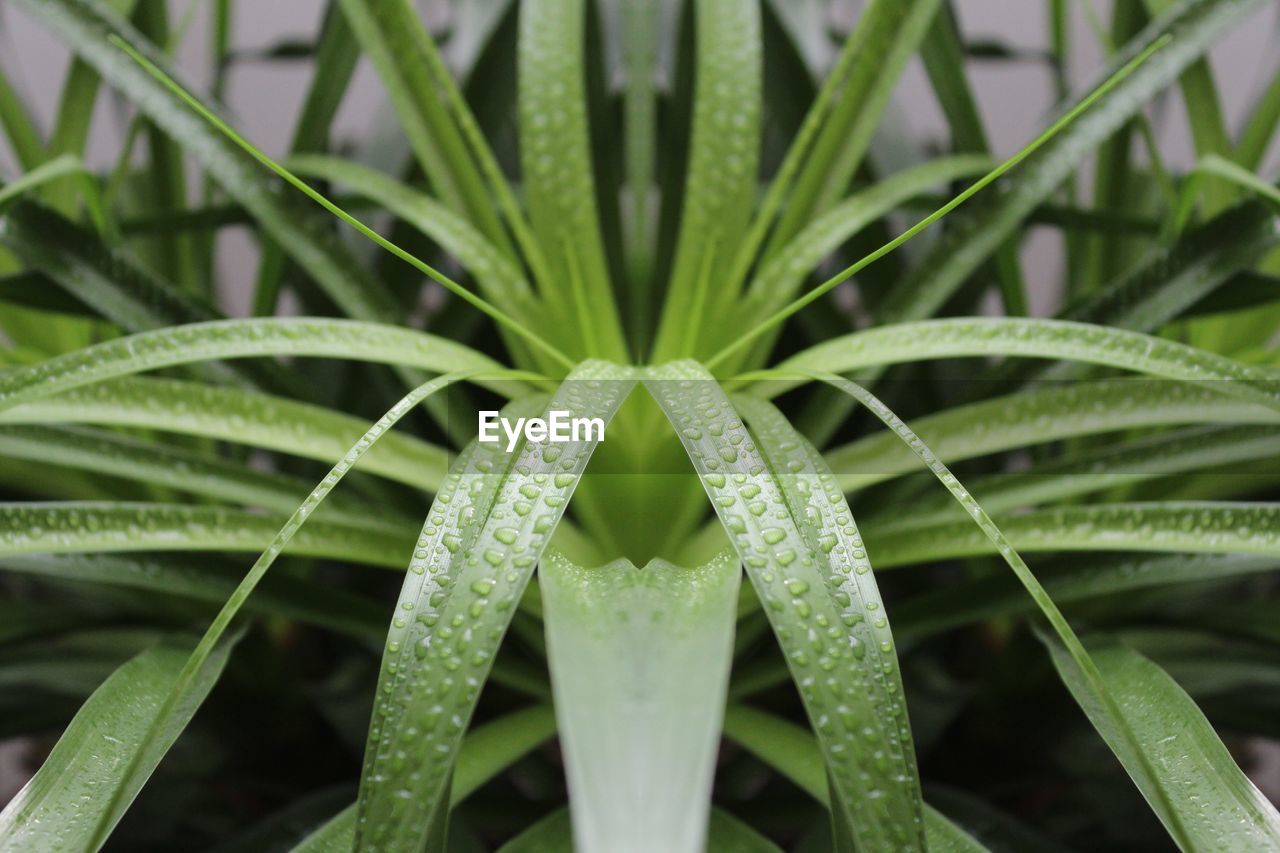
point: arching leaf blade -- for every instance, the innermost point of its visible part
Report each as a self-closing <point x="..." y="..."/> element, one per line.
<point x="242" y="417"/>
<point x="453" y="581"/>
<point x="1045" y="413"/>
<point x="76" y="527"/>
<point x="1200" y="794"/>
<point x="64" y="804"/>
<point x="820" y="633"/>
<point x="1201" y="527"/>
<point x="173" y="467"/>
<point x="223" y="339"/>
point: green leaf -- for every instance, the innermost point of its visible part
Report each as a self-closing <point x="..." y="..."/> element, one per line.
<point x="639" y="663"/>
<point x="780" y="277"/>
<point x="98" y="275"/>
<point x="99" y="527"/>
<point x="813" y="496"/>
<point x="641" y="25"/>
<point x="470" y="576"/>
<point x="792" y="751"/>
<point x="489" y="749"/>
<point x="559" y="182"/>
<point x="299" y="230"/>
<point x="1017" y="337"/>
<point x="1075" y="580"/>
<point x="20" y="130"/>
<point x="1088" y="676"/>
<point x="502" y="281"/>
<point x="211" y="581"/>
<point x="887" y="35"/>
<point x="107" y="753"/>
<point x="395" y="39"/>
<point x="335" y="65"/>
<point x="1172" y="280"/>
<point x="51" y="172"/>
<point x="244" y="417"/>
<point x="105" y="452"/>
<point x="198" y="342"/>
<point x="1195" y="26"/>
<point x="1162" y="455"/>
<point x="486" y="751"/>
<point x="1203" y="799"/>
<point x="837" y="643"/>
<point x="1261" y="129"/>
<point x="720" y="185"/>
<point x="181" y="691"/>
<point x="1192" y="527"/>
<point x="1043" y="414"/>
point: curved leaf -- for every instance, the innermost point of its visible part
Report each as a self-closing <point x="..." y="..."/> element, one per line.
<point x="814" y="497"/>
<point x="181" y="690"/>
<point x="987" y="598"/>
<point x="825" y="637"/>
<point x="1086" y="672"/>
<point x="793" y="752"/>
<point x="485" y="752"/>
<point x="785" y="271"/>
<point x="1199" y="793"/>
<point x="290" y="597"/>
<point x="197" y="342"/>
<point x="459" y="595"/>
<point x="1025" y="338"/>
<point x="502" y="280"/>
<point x="1161" y="455"/>
<point x="1191" y="527"/>
<point x="99" y="527"/>
<point x="243" y="417"/>
<point x="176" y="468"/>
<point x="113" y="744"/>
<point x="887" y="35"/>
<point x="300" y="230"/>
<point x="396" y="40"/>
<point x="1047" y="413"/>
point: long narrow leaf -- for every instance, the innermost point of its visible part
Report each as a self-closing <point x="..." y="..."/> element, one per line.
<point x="824" y="637"/>
<point x="175" y="468"/>
<point x="243" y="417"/>
<point x="457" y="601"/>
<point x="1024" y="338"/>
<point x="1194" y="26"/>
<point x="113" y="744"/>
<point x="720" y="186"/>
<point x="1191" y="527"/>
<point x="1048" y="413"/>
<point x="1199" y="793"/>
<point x="92" y="527"/>
<point x="559" y="180"/>
<point x="241" y="339"/>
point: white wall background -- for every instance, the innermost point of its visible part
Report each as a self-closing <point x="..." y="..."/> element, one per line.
<point x="1014" y="97"/>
